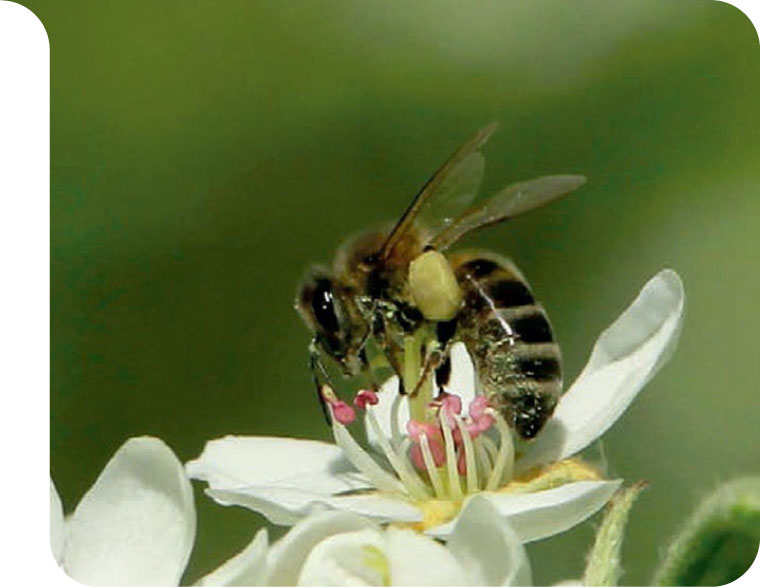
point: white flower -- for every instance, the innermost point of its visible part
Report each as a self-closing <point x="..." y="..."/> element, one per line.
<point x="342" y="548"/>
<point x="135" y="525"/>
<point x="425" y="476"/>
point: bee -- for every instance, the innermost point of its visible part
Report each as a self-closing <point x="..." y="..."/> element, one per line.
<point x="386" y="285"/>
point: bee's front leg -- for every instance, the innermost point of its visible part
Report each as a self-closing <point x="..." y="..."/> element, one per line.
<point x="318" y="370"/>
<point x="435" y="358"/>
<point x="369" y="369"/>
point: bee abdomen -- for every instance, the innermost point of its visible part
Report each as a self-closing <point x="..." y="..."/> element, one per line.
<point x="510" y="339"/>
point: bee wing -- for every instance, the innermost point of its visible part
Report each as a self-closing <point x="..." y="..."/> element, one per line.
<point x="513" y="200"/>
<point x="445" y="195"/>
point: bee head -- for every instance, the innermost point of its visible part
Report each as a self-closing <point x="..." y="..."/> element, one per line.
<point x="323" y="308"/>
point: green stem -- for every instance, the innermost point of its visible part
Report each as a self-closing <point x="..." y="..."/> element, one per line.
<point x="603" y="566"/>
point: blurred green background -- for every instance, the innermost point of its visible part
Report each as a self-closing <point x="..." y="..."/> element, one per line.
<point x="205" y="153"/>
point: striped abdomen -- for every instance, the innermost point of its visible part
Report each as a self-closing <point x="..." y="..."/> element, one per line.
<point x="510" y="340"/>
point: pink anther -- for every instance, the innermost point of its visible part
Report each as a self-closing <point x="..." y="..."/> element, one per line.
<point x="415" y="429"/>
<point x="436" y="450"/>
<point x="450" y="405"/>
<point x="480" y="418"/>
<point x="478" y="406"/>
<point x="365" y="397"/>
<point x="342" y="412"/>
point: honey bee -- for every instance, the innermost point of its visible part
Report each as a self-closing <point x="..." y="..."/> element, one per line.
<point x="386" y="285"/>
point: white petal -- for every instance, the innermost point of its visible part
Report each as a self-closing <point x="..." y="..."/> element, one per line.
<point x="461" y="382"/>
<point x="415" y="559"/>
<point x="371" y="557"/>
<point x="383" y="411"/>
<point x="57" y="529"/>
<point x="248" y="567"/>
<point x="544" y="513"/>
<point x="285" y="506"/>
<point x="462" y="379"/>
<point x="136" y="524"/>
<point x="286" y="557"/>
<point x="487" y="546"/>
<point x="348" y="558"/>
<point x="625" y="357"/>
<point x="237" y="461"/>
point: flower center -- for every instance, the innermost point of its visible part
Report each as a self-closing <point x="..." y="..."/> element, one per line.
<point x="444" y="456"/>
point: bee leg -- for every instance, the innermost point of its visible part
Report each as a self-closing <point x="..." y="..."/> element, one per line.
<point x="392" y="351"/>
<point x="317" y="370"/>
<point x="445" y="333"/>
<point x="366" y="368"/>
<point x="443" y="373"/>
<point x="432" y="361"/>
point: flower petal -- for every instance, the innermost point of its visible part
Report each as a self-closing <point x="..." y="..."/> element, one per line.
<point x="384" y="412"/>
<point x="347" y="558"/>
<point x="544" y="513"/>
<point x="286" y="557"/>
<point x="415" y="559"/>
<point x="462" y="379"/>
<point x="461" y="382"/>
<point x="136" y="524"/>
<point x="248" y="567"/>
<point x="57" y="528"/>
<point x="625" y="357"/>
<point x="238" y="461"/>
<point x="286" y="506"/>
<point x="487" y="546"/>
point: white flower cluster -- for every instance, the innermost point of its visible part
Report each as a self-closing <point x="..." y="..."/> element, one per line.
<point x="136" y="526"/>
<point x="362" y="517"/>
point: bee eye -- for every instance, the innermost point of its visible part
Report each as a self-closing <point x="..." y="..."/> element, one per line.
<point x="323" y="305"/>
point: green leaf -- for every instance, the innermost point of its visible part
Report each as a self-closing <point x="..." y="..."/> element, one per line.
<point x="603" y="566"/>
<point x="719" y="542"/>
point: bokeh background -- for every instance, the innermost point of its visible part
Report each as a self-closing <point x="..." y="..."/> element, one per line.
<point x="205" y="153"/>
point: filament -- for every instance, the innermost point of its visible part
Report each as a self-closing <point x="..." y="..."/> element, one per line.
<point x="432" y="470"/>
<point x="483" y="459"/>
<point x="455" y="489"/>
<point x="469" y="456"/>
<point x="505" y="458"/>
<point x="407" y="474"/>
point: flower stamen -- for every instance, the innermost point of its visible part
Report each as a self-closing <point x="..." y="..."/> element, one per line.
<point x="407" y="474"/>
<point x="504" y="463"/>
<point x="471" y="470"/>
<point x="339" y="410"/>
<point x="395" y="432"/>
<point x="484" y="460"/>
<point x="432" y="470"/>
<point x="455" y="489"/>
<point x="355" y="453"/>
<point x="364" y="398"/>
